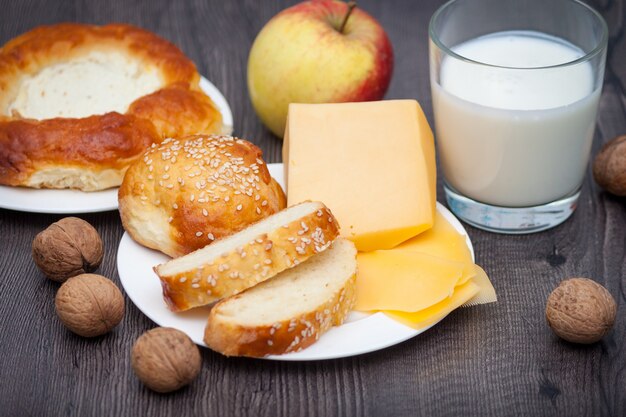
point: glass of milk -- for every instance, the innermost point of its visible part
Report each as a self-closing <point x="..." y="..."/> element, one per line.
<point x="515" y="87"/>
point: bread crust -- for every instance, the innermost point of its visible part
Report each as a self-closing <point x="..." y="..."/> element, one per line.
<point x="258" y="260"/>
<point x="290" y="335"/>
<point x="78" y="144"/>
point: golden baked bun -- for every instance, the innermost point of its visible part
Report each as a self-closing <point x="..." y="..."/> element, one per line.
<point x="79" y="103"/>
<point x="185" y="193"/>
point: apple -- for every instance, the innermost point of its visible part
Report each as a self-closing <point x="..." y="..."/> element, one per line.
<point x="319" y="51"/>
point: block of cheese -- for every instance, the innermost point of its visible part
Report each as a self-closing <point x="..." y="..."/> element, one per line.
<point x="405" y="280"/>
<point x="372" y="164"/>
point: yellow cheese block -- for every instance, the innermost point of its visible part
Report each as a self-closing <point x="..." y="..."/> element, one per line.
<point x="372" y="164"/>
<point x="427" y="317"/>
<point x="405" y="280"/>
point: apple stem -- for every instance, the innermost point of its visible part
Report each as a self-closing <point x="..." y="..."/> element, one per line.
<point x="351" y="6"/>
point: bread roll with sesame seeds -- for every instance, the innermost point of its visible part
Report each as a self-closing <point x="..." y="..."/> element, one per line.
<point x="253" y="255"/>
<point x="290" y="311"/>
<point x="185" y="193"/>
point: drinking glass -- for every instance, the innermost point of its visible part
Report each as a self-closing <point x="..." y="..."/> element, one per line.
<point x="515" y="87"/>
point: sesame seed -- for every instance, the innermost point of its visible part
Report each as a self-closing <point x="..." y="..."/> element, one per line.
<point x="205" y="212"/>
<point x="198" y="234"/>
<point x="239" y="207"/>
<point x="210" y="236"/>
<point x="195" y="285"/>
<point x="182" y="280"/>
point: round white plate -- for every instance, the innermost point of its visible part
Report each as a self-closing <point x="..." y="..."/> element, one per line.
<point x="73" y="201"/>
<point x="361" y="333"/>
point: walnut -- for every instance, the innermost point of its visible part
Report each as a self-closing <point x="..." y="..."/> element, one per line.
<point x="609" y="167"/>
<point x="580" y="310"/>
<point x="89" y="305"/>
<point x="67" y="248"/>
<point x="165" y="359"/>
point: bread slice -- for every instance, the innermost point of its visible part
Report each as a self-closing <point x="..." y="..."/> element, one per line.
<point x="290" y="311"/>
<point x="242" y="260"/>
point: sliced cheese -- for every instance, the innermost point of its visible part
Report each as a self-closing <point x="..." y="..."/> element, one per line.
<point x="372" y="164"/>
<point x="418" y="272"/>
<point x="406" y="280"/>
<point x="442" y="240"/>
<point x="427" y="317"/>
<point x="486" y="294"/>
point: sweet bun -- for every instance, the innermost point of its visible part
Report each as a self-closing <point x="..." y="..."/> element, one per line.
<point x="185" y="193"/>
<point x="79" y="103"/>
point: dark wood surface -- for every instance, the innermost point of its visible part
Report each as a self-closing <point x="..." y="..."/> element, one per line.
<point x="493" y="360"/>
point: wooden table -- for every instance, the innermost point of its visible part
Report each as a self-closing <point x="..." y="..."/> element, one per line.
<point x="493" y="360"/>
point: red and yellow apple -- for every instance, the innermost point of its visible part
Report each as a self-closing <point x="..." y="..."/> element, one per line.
<point x="303" y="55"/>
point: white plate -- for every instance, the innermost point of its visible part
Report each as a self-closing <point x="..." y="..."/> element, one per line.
<point x="73" y="201"/>
<point x="361" y="333"/>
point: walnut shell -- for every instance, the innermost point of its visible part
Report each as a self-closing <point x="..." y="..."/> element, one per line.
<point x="67" y="248"/>
<point x="165" y="359"/>
<point x="580" y="310"/>
<point x="609" y="167"/>
<point x="89" y="305"/>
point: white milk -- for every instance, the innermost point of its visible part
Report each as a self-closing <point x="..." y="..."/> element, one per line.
<point x="515" y="136"/>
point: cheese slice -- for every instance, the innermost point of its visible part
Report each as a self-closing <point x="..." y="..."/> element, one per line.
<point x="486" y="293"/>
<point x="477" y="290"/>
<point x="442" y="240"/>
<point x="427" y="317"/>
<point x="372" y="164"/>
<point x="418" y="272"/>
<point x="405" y="280"/>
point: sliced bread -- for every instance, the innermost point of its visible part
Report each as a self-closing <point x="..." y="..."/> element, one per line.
<point x="290" y="311"/>
<point x="242" y="260"/>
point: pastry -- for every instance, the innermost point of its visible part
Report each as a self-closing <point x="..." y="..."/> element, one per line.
<point x="185" y="193"/>
<point x="79" y="103"/>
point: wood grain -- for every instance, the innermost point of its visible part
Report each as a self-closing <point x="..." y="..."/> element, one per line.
<point x="493" y="360"/>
